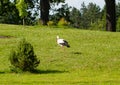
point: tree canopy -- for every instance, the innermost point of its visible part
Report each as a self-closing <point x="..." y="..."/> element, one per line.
<point x="87" y="17"/>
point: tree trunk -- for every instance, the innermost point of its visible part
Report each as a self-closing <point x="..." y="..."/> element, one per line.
<point x="23" y="21"/>
<point x="44" y="7"/>
<point x="110" y="15"/>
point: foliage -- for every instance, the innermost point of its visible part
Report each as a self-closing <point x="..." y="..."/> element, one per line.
<point x="118" y="25"/>
<point x="62" y="22"/>
<point x="94" y="12"/>
<point x="44" y="9"/>
<point x="118" y="10"/>
<point x="22" y="8"/>
<point x="57" y="1"/>
<point x="50" y="23"/>
<point x="23" y="58"/>
<point x="27" y="10"/>
<point x="89" y="14"/>
<point x="62" y="12"/>
<point x="75" y="18"/>
<point x="99" y="25"/>
<point x="8" y="12"/>
<point x="84" y="18"/>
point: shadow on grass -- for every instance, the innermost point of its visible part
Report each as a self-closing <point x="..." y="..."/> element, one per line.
<point x="48" y="71"/>
<point x="77" y="53"/>
<point x="2" y="72"/>
<point x="37" y="72"/>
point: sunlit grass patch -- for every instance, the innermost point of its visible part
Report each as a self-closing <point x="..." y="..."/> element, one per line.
<point x="93" y="58"/>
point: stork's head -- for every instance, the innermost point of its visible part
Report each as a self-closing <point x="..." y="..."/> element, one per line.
<point x="57" y="37"/>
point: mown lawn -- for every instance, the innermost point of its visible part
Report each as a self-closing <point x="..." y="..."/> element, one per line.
<point x="93" y="59"/>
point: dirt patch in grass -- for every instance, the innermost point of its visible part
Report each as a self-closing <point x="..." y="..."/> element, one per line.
<point x="5" y="37"/>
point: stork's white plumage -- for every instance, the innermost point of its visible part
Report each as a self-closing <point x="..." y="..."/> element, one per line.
<point x="62" y="42"/>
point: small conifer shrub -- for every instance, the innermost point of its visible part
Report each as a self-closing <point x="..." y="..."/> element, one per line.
<point x="23" y="58"/>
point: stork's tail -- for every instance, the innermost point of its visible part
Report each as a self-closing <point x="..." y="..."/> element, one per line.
<point x="68" y="46"/>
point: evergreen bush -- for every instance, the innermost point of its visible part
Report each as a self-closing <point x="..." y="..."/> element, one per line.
<point x="63" y="22"/>
<point x="51" y="23"/>
<point x="23" y="58"/>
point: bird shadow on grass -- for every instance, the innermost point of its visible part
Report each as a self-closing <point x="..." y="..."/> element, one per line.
<point x="77" y="53"/>
<point x="48" y="71"/>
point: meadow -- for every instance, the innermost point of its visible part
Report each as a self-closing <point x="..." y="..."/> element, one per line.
<point x="92" y="59"/>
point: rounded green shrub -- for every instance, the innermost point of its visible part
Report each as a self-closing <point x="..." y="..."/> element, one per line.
<point x="63" y="22"/>
<point x="23" y="58"/>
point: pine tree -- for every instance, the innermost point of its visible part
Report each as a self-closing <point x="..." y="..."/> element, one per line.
<point x="23" y="58"/>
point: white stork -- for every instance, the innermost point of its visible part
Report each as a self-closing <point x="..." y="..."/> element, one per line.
<point x="62" y="42"/>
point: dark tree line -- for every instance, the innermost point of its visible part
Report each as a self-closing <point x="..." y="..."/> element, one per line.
<point x="110" y="15"/>
<point x="85" y="17"/>
<point x="9" y="13"/>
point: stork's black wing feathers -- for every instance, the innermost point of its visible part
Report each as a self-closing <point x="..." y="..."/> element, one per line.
<point x="66" y="43"/>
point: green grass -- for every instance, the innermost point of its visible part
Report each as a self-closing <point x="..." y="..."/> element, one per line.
<point x="93" y="59"/>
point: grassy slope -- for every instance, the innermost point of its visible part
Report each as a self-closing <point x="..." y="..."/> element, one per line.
<point x="94" y="56"/>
